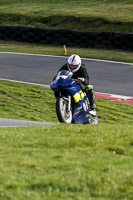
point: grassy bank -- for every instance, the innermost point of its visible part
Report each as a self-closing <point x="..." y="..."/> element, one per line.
<point x="22" y="101"/>
<point x="92" y="15"/>
<point x="116" y="55"/>
<point x="67" y="162"/>
<point x="63" y="161"/>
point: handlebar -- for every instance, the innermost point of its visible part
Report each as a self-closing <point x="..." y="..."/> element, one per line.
<point x="77" y="80"/>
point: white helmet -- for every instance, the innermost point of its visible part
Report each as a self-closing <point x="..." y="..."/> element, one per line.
<point x="74" y="63"/>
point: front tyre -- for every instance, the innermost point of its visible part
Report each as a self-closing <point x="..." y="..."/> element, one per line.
<point x="62" y="111"/>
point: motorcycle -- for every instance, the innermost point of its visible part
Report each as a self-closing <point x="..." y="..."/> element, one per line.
<point x="72" y="105"/>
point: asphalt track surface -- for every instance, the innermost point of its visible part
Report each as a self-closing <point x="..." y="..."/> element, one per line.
<point x="106" y="76"/>
<point x="15" y="123"/>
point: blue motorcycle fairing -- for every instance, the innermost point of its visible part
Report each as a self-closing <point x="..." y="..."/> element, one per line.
<point x="80" y="118"/>
<point x="80" y="112"/>
<point x="64" y="82"/>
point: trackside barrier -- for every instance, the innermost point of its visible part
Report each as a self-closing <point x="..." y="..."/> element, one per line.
<point x="71" y="38"/>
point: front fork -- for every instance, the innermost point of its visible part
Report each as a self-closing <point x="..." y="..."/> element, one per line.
<point x="69" y="103"/>
<point x="68" y="99"/>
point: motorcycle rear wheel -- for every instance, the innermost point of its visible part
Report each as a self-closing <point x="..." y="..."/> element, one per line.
<point x="61" y="110"/>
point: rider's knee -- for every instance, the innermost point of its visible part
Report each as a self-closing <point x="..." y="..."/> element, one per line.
<point x="89" y="88"/>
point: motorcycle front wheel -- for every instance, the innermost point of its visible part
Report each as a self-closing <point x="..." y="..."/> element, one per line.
<point x="62" y="110"/>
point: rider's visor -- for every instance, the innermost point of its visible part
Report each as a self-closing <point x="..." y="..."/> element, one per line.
<point x="72" y="66"/>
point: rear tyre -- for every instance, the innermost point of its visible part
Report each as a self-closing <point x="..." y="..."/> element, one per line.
<point x="62" y="111"/>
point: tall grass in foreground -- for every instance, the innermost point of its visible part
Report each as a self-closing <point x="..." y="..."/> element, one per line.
<point x="76" y="162"/>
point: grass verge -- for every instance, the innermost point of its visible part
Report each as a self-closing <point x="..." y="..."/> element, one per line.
<point x="67" y="162"/>
<point x="92" y="15"/>
<point x="23" y="101"/>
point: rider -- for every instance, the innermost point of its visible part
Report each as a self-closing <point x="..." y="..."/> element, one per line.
<point x="80" y="72"/>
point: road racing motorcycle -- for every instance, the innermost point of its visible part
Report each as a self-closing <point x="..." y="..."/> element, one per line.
<point x="72" y="105"/>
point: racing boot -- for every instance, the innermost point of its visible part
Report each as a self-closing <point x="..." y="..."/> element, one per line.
<point x="91" y="97"/>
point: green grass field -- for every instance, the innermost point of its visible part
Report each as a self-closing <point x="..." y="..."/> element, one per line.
<point x="92" y="15"/>
<point x="76" y="162"/>
<point x="63" y="161"/>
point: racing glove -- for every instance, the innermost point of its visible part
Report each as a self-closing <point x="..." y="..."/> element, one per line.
<point x="81" y="79"/>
